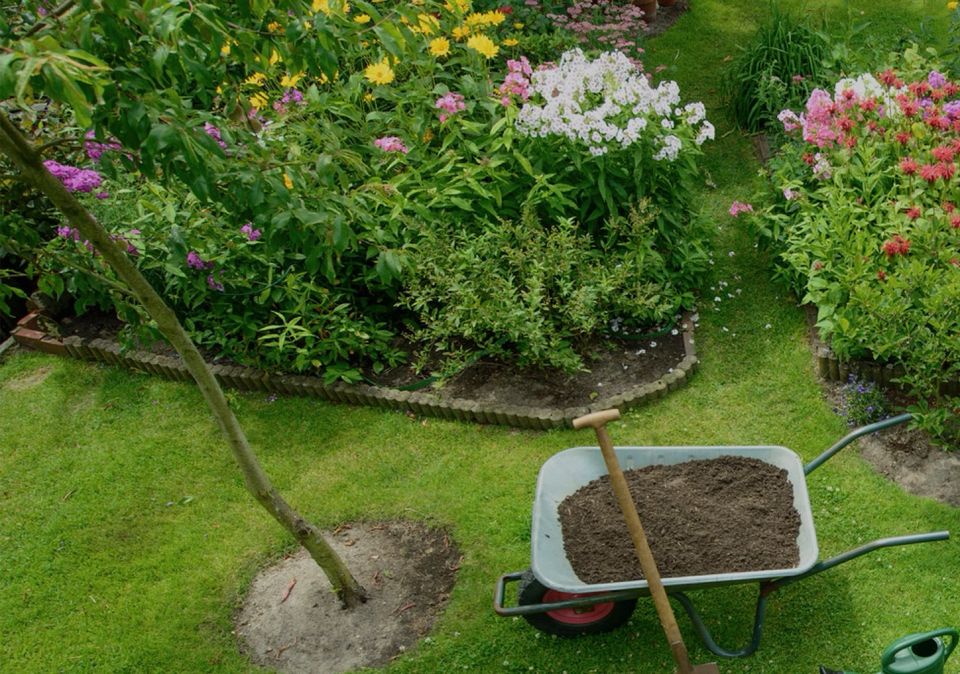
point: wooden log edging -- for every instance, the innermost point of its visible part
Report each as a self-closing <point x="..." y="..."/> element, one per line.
<point x="831" y="367"/>
<point x="29" y="334"/>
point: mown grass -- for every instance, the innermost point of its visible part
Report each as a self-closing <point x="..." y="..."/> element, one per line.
<point x="127" y="539"/>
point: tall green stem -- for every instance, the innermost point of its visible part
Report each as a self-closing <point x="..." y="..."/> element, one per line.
<point x="24" y="156"/>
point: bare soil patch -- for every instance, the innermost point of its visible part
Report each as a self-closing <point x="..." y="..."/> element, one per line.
<point x="28" y="381"/>
<point x="908" y="458"/>
<point x="292" y="622"/>
<point x="723" y="515"/>
<point x="613" y="366"/>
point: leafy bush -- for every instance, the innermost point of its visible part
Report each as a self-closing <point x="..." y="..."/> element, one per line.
<point x="862" y="215"/>
<point x="524" y="291"/>
<point x="778" y="69"/>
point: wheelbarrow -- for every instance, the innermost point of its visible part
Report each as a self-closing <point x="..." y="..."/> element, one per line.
<point x="554" y="600"/>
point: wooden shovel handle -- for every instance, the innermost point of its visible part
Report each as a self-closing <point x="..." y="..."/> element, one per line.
<point x="596" y="419"/>
<point x="622" y="492"/>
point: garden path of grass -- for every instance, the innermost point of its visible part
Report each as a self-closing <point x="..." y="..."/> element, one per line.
<point x="127" y="539"/>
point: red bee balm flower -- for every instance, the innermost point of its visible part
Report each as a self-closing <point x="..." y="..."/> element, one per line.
<point x="881" y="275"/>
<point x="955" y="222"/>
<point x="929" y="172"/>
<point x="913" y="213"/>
<point x="946" y="170"/>
<point x="908" y="166"/>
<point x="896" y="246"/>
<point x="903" y="137"/>
<point x="943" y="153"/>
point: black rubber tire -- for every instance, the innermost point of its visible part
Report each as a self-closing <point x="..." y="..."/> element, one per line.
<point x="531" y="591"/>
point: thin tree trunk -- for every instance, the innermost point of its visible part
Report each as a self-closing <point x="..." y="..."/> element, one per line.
<point x="23" y="155"/>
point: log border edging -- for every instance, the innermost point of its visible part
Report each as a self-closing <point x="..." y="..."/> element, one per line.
<point x="29" y="334"/>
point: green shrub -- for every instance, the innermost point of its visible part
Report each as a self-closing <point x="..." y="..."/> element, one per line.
<point x="778" y="69"/>
<point x="532" y="293"/>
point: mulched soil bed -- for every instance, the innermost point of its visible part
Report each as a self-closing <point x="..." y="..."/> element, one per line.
<point x="725" y="515"/>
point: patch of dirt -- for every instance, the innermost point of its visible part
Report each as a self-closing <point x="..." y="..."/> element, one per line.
<point x="906" y="456"/>
<point x="28" y="381"/>
<point x="613" y="368"/>
<point x="909" y="458"/>
<point x="292" y="622"/>
<point x="666" y="17"/>
<point x="724" y="515"/>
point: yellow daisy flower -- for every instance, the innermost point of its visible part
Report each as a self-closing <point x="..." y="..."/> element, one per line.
<point x="461" y="32"/>
<point x="362" y="18"/>
<point x="952" y="5"/>
<point x="458" y="6"/>
<point x="256" y="79"/>
<point x="290" y="81"/>
<point x="379" y="73"/>
<point x="225" y="49"/>
<point x="439" y="46"/>
<point x="510" y="42"/>
<point x="368" y="97"/>
<point x="484" y="45"/>
<point x="259" y="100"/>
<point x="518" y="25"/>
<point x="275" y="57"/>
<point x="428" y="24"/>
<point x="274" y="27"/>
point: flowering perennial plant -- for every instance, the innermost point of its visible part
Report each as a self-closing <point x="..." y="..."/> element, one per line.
<point x="607" y="103"/>
<point x="861" y="212"/>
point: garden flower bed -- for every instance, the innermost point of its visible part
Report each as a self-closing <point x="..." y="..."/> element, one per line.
<point x="861" y="215"/>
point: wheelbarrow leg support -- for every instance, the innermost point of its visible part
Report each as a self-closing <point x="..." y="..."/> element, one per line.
<point x="707" y="638"/>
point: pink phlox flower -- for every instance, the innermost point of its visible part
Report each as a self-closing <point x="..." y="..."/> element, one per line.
<point x="738" y="207"/>
<point x="521" y="66"/>
<point x="251" y="233"/>
<point x="790" y="120"/>
<point x="790" y="194"/>
<point x="391" y="144"/>
<point x="73" y="178"/>
<point x="451" y="103"/>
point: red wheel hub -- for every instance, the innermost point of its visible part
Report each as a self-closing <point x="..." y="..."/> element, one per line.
<point x="576" y="616"/>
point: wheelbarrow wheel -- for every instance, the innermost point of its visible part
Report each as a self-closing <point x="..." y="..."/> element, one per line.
<point x="569" y="622"/>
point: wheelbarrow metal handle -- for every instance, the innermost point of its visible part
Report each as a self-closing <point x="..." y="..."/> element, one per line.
<point x="879" y="543"/>
<point x="853" y="435"/>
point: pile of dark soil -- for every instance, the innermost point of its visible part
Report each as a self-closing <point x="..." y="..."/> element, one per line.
<point x="726" y="515"/>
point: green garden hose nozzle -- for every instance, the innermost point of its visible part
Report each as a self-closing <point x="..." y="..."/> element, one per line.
<point x="922" y="653"/>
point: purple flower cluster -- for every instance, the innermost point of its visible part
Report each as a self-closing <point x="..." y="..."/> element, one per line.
<point x="214" y="284"/>
<point x="196" y="262"/>
<point x="94" y="149"/>
<point x="294" y="96"/>
<point x="451" y="104"/>
<point x="251" y="233"/>
<point x="75" y="179"/>
<point x="214" y="133"/>
<point x="391" y="144"/>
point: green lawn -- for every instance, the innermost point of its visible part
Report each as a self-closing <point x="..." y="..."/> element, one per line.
<point x="127" y="539"/>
